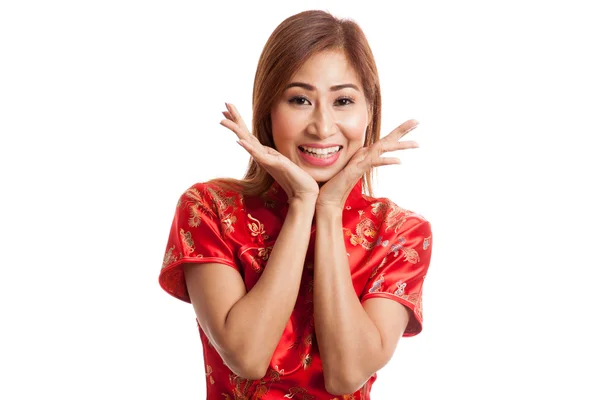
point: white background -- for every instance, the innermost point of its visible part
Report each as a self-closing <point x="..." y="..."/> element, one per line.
<point x="110" y="110"/>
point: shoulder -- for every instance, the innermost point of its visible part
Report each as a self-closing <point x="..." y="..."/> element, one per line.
<point x="210" y="195"/>
<point x="393" y="217"/>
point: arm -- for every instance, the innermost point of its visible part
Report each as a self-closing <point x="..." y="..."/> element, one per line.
<point x="354" y="342"/>
<point x="246" y="327"/>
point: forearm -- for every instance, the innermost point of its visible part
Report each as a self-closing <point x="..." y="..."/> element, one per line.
<point x="347" y="337"/>
<point x="257" y="320"/>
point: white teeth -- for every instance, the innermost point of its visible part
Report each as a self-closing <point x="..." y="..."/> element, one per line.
<point x="321" y="152"/>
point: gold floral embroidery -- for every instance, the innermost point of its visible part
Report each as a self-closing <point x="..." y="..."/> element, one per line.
<point x="197" y="208"/>
<point x="265" y="252"/>
<point x="227" y="222"/>
<point x="410" y="255"/>
<point x="346" y="397"/>
<point x="415" y="298"/>
<point x="241" y="387"/>
<point x="306" y="360"/>
<point x="377" y="285"/>
<point x="208" y="374"/>
<point x="378" y="208"/>
<point x="294" y="391"/>
<point x="308" y="339"/>
<point x="299" y="393"/>
<point x="260" y="391"/>
<point x="365" y="228"/>
<point x="275" y="374"/>
<point x="169" y="257"/>
<point x="187" y="241"/>
<point x="378" y="267"/>
<point x="256" y="227"/>
<point x="394" y="216"/>
<point x="260" y="260"/>
<point x="257" y="256"/>
<point x="295" y="343"/>
<point x="223" y="203"/>
<point x="401" y="286"/>
<point x="396" y="224"/>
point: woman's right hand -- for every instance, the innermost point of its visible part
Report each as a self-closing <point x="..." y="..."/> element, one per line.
<point x="297" y="183"/>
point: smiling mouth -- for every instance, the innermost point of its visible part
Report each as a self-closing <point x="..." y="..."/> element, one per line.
<point x="320" y="153"/>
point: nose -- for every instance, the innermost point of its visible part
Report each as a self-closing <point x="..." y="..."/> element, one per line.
<point x="322" y="123"/>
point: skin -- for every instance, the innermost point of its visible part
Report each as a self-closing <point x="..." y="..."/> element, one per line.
<point x="322" y="115"/>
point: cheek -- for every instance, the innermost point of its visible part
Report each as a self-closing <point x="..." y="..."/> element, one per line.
<point x="355" y="126"/>
<point x="285" y="126"/>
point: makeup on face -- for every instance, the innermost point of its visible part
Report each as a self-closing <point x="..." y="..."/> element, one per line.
<point x="322" y="117"/>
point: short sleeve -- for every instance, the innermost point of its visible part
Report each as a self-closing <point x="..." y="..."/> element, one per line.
<point x="195" y="237"/>
<point x="400" y="274"/>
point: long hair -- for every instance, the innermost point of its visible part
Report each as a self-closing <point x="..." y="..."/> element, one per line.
<point x="291" y="44"/>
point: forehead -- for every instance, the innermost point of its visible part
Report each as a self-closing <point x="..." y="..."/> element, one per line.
<point x="327" y="68"/>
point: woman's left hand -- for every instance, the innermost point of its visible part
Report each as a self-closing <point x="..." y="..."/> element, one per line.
<point x="335" y="192"/>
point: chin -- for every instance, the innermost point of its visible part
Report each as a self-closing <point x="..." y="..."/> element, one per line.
<point x="322" y="177"/>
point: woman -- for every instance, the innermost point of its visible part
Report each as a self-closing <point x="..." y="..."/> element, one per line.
<point x="301" y="284"/>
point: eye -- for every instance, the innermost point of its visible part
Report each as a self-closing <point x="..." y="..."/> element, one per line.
<point x="344" y="101"/>
<point x="299" y="101"/>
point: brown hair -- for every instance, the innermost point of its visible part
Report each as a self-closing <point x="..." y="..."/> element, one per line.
<point x="293" y="42"/>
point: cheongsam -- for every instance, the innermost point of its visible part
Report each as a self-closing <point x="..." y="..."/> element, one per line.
<point x="388" y="249"/>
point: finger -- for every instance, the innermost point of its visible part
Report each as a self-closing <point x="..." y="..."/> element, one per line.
<point x="254" y="152"/>
<point x="235" y="128"/>
<point x="386" y="161"/>
<point x="393" y="146"/>
<point x="236" y="116"/>
<point x="402" y="130"/>
<point x="365" y="161"/>
<point x="261" y="155"/>
<point x="271" y="150"/>
<point x="227" y="115"/>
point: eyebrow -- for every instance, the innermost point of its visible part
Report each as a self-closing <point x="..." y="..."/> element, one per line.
<point x="312" y="88"/>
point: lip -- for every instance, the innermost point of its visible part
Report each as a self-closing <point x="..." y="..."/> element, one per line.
<point x="319" y="162"/>
<point x="320" y="145"/>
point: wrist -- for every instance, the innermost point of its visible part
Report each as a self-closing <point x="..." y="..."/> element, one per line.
<point x="302" y="203"/>
<point x="328" y="209"/>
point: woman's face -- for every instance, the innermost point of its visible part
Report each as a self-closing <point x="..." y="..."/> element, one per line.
<point x="322" y="117"/>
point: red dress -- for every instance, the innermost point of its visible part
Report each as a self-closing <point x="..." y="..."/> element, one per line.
<point x="389" y="249"/>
